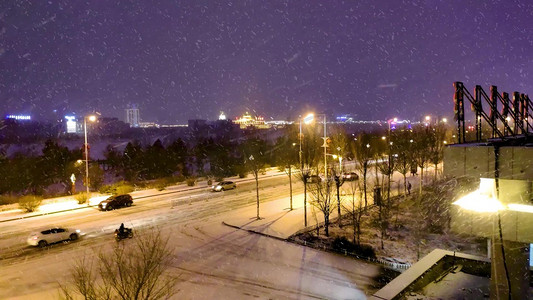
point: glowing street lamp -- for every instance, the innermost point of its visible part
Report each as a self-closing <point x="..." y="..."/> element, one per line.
<point x="310" y="118"/>
<point x="340" y="161"/>
<point x="307" y="119"/>
<point x="91" y="118"/>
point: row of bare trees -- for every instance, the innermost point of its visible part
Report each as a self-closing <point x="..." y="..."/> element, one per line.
<point x="378" y="154"/>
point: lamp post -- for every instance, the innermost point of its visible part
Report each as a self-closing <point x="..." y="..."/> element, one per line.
<point x="325" y="145"/>
<point x="308" y="119"/>
<point x="91" y="118"/>
<point x="325" y="150"/>
<point x="340" y="161"/>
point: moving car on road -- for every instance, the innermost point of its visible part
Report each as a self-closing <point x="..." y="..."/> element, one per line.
<point x="314" y="179"/>
<point x="351" y="176"/>
<point x="223" y="185"/>
<point x="52" y="235"/>
<point x="116" y="202"/>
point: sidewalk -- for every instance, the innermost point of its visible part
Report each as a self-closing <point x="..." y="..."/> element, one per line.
<point x="277" y="220"/>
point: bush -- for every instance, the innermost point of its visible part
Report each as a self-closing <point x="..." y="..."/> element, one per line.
<point x="242" y="175"/>
<point x="123" y="189"/>
<point x="161" y="183"/>
<point x="8" y="199"/>
<point x="365" y="251"/>
<point x="118" y="188"/>
<point x="179" y="178"/>
<point x="342" y="244"/>
<point x="82" y="198"/>
<point x="191" y="181"/>
<point x="30" y="203"/>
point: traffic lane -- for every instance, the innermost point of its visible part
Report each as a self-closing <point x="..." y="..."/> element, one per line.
<point x="94" y="223"/>
<point x="213" y="261"/>
<point x="65" y="217"/>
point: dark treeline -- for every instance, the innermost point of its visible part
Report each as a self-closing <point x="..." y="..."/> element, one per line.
<point x="220" y="158"/>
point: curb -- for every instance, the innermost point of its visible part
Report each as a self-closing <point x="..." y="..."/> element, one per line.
<point x="45" y="214"/>
<point x="256" y="232"/>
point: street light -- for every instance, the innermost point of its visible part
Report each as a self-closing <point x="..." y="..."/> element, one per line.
<point x="91" y="118"/>
<point x="325" y="145"/>
<point x="340" y="161"/>
<point x="308" y="119"/>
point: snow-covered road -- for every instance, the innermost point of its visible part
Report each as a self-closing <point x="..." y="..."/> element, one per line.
<point x="213" y="261"/>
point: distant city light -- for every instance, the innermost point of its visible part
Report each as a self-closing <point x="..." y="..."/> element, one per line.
<point x="222" y="116"/>
<point x="18" y="117"/>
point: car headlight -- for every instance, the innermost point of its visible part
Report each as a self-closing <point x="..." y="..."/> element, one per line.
<point x="78" y="231"/>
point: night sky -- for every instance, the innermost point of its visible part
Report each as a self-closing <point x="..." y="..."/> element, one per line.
<point x="179" y="60"/>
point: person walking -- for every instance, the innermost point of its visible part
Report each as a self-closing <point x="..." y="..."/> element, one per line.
<point x="408" y="188"/>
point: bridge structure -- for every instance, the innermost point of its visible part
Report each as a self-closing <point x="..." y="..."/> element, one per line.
<point x="505" y="118"/>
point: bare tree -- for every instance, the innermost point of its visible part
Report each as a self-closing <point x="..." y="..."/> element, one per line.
<point x="363" y="153"/>
<point x="339" y="146"/>
<point x="402" y="149"/>
<point x="356" y="211"/>
<point x="254" y="151"/>
<point x="421" y="150"/>
<point x="304" y="177"/>
<point x="286" y="154"/>
<point x="322" y="197"/>
<point x="131" y="271"/>
<point x="339" y="181"/>
<point x="437" y="137"/>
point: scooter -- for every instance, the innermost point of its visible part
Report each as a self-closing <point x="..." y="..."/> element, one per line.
<point x="126" y="234"/>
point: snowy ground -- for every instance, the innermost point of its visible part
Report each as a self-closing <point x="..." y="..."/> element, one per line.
<point x="213" y="260"/>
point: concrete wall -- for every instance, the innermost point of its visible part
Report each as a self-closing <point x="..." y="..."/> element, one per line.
<point x="515" y="187"/>
<point x="477" y="161"/>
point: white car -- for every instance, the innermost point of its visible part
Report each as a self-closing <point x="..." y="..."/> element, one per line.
<point x="223" y="185"/>
<point x="52" y="235"/>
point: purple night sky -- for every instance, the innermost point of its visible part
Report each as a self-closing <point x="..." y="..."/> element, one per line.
<point x="179" y="60"/>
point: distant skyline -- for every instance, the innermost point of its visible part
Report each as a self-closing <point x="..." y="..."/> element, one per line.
<point x="180" y="60"/>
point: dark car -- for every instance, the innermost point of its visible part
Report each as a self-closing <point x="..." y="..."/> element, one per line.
<point x="314" y="179"/>
<point x="116" y="202"/>
<point x="351" y="176"/>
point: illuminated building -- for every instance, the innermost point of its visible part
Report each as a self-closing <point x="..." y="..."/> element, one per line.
<point x="71" y="124"/>
<point x="247" y="121"/>
<point x="19" y="117"/>
<point x="133" y="116"/>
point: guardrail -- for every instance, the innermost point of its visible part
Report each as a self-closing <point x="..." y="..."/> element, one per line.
<point x="389" y="262"/>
